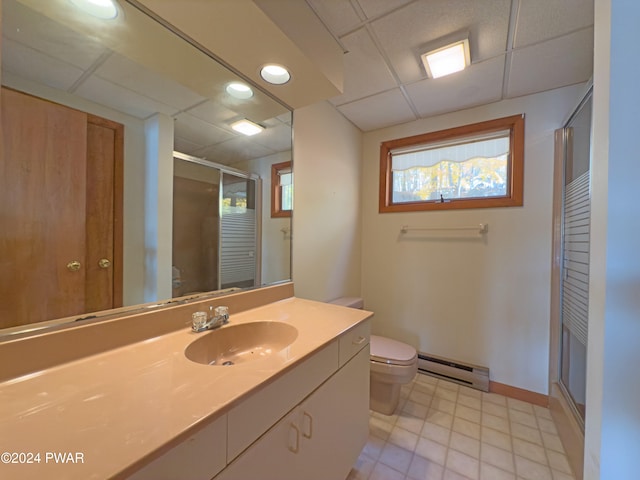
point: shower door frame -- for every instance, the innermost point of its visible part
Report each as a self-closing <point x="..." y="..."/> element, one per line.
<point x="569" y="422"/>
<point x="568" y="150"/>
<point x="258" y="202"/>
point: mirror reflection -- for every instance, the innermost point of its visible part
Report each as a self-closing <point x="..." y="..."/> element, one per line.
<point x="127" y="175"/>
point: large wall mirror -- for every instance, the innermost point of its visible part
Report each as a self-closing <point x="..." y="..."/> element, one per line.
<point x="124" y="181"/>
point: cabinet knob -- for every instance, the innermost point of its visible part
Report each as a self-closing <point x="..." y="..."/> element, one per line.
<point x="104" y="263"/>
<point x="74" y="266"/>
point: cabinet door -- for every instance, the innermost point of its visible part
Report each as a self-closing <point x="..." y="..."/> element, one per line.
<point x="199" y="457"/>
<point x="275" y="456"/>
<point x="334" y="422"/>
<point x="319" y="439"/>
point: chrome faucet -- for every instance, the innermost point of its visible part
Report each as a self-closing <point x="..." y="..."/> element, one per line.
<point x="201" y="321"/>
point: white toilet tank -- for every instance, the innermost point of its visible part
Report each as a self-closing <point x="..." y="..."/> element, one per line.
<point x="351" y="302"/>
<point x="392" y="364"/>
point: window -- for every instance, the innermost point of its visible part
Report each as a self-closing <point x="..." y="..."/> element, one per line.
<point x="281" y="189"/>
<point x="473" y="166"/>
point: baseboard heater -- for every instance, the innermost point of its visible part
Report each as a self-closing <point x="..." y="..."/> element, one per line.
<point x="469" y="375"/>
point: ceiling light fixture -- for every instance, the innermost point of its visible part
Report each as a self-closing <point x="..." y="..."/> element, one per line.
<point x="103" y="9"/>
<point x="446" y="60"/>
<point x="247" y="127"/>
<point x="275" y="74"/>
<point x="239" y="90"/>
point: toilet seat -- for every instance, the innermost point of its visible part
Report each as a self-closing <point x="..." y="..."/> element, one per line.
<point x="391" y="352"/>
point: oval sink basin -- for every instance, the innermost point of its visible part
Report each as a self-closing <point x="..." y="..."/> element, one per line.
<point x="245" y="342"/>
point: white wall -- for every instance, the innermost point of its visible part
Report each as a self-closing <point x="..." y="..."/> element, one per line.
<point x="326" y="205"/>
<point x="158" y="218"/>
<point x="484" y="301"/>
<point x="276" y="243"/>
<point x="612" y="434"/>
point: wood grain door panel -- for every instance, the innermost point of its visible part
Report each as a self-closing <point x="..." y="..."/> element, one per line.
<point x="60" y="201"/>
<point x="43" y="172"/>
<point x="103" y="226"/>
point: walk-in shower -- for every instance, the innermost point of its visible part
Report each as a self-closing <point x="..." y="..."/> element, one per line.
<point x="216" y="227"/>
<point x="570" y="281"/>
<point x="574" y="295"/>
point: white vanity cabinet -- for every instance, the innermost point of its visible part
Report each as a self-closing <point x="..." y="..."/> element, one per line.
<point x="198" y="458"/>
<point x="320" y="438"/>
<point x="309" y="423"/>
<point x="334" y="422"/>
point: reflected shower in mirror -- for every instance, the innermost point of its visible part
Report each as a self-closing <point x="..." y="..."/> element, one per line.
<point x="108" y="124"/>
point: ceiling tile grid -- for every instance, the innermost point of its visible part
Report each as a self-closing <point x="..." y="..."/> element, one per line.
<point x="339" y="15"/>
<point x="405" y="33"/>
<point x="375" y="8"/>
<point x="518" y="47"/>
<point x="26" y="63"/>
<point x="545" y="19"/>
<point x="565" y="60"/>
<point x="379" y="111"/>
<point x="128" y="74"/>
<point x="480" y="84"/>
<point x="365" y="69"/>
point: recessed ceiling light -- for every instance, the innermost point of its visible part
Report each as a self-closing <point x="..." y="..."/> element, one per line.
<point x="247" y="127"/>
<point x="448" y="59"/>
<point x="239" y="90"/>
<point x="275" y="74"/>
<point x="104" y="9"/>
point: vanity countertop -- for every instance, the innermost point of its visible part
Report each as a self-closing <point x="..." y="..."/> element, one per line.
<point x="118" y="407"/>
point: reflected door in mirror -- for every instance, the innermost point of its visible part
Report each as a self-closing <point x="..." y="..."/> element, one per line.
<point x="60" y="211"/>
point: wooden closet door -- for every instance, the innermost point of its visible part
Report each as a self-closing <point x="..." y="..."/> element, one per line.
<point x="104" y="214"/>
<point x="60" y="202"/>
<point x="42" y="209"/>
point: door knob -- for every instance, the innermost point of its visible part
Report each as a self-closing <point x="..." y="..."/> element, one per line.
<point x="104" y="263"/>
<point x="73" y="266"/>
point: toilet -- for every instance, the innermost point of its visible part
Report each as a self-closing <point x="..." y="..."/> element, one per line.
<point x="391" y="363"/>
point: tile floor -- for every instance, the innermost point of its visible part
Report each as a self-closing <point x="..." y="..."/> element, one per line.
<point x="442" y="431"/>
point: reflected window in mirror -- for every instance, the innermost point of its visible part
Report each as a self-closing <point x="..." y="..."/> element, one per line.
<point x="180" y="101"/>
<point x="281" y="189"/>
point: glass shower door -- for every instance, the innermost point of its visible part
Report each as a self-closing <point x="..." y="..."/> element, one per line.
<point x="195" y="228"/>
<point x="575" y="264"/>
<point x="239" y="253"/>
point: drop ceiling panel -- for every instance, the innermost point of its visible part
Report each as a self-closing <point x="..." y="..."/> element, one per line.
<point x="544" y="19"/>
<point x="233" y="151"/>
<point x="28" y="64"/>
<point x="213" y="113"/>
<point x="40" y="33"/>
<point x="285" y="118"/>
<point x="185" y="146"/>
<point x="379" y="111"/>
<point x="405" y="32"/>
<point x="479" y="84"/>
<point x="119" y="98"/>
<point x="374" y="8"/>
<point x="338" y="15"/>
<point x="198" y="131"/>
<point x="128" y="74"/>
<point x="277" y="138"/>
<point x="556" y="63"/>
<point x="366" y="72"/>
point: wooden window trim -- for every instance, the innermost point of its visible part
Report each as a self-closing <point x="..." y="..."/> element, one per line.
<point x="515" y="183"/>
<point x="276" y="191"/>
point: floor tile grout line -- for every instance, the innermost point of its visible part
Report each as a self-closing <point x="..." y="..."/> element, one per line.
<point x="513" y="447"/>
<point x="416" y="411"/>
